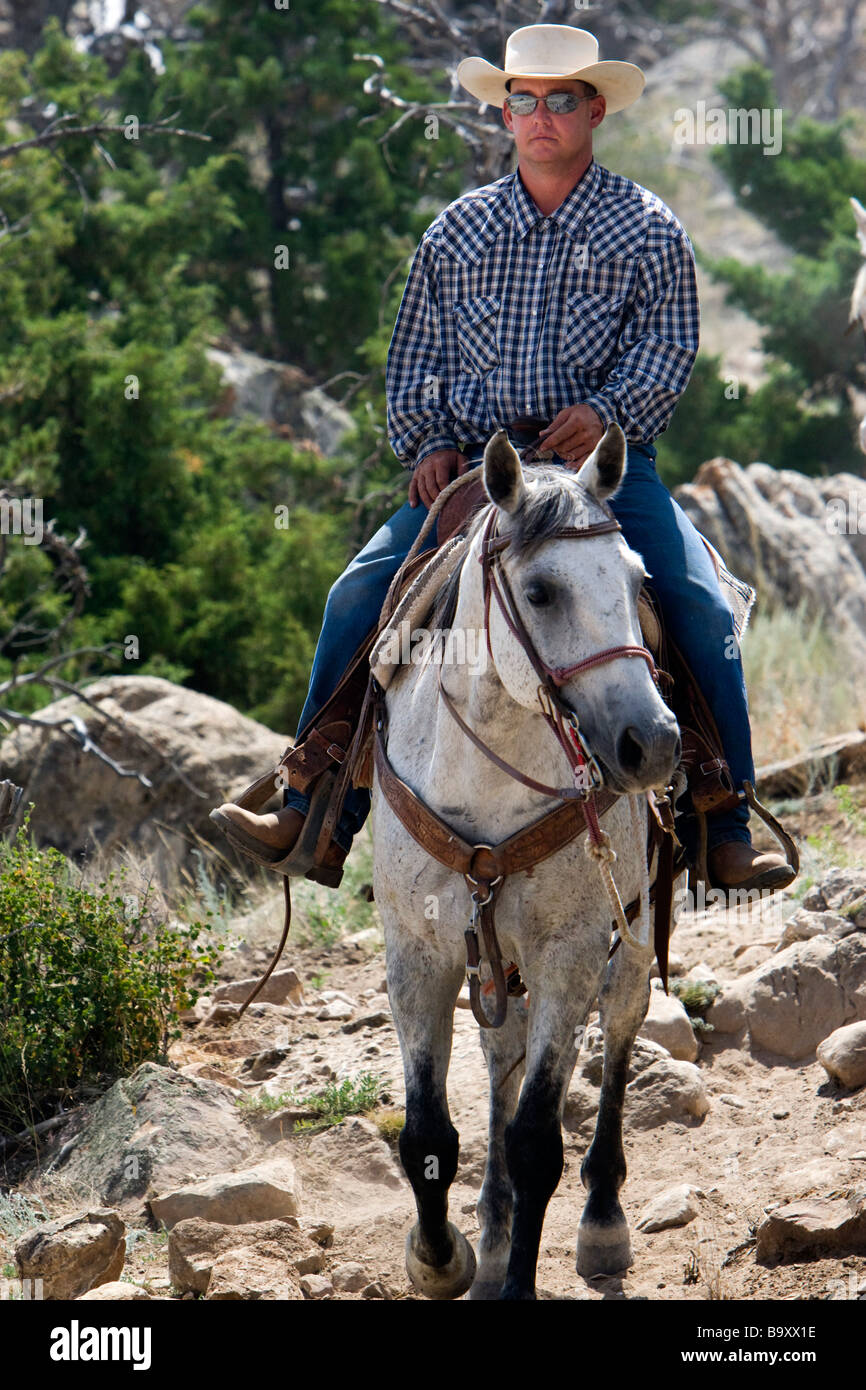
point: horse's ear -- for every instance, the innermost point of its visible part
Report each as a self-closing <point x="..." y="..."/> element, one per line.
<point x="503" y="474"/>
<point x="604" y="470"/>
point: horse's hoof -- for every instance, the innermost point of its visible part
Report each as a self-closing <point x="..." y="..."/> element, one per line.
<point x="442" y="1281"/>
<point x="603" y="1249"/>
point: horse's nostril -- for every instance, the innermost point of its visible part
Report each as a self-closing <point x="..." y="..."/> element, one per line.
<point x="629" y="752"/>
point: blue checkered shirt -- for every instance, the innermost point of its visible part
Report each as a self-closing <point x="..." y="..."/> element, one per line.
<point x="507" y="312"/>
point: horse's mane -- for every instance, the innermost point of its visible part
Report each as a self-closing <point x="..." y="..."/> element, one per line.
<point x="545" y="509"/>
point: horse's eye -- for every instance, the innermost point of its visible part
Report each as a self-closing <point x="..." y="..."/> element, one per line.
<point x="537" y="593"/>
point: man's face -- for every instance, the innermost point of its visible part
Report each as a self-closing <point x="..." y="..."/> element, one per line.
<point x="550" y="141"/>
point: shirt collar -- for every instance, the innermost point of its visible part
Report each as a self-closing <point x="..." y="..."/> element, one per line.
<point x="570" y="213"/>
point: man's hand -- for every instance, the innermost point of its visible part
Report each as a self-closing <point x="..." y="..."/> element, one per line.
<point x="573" y="434"/>
<point x="433" y="474"/>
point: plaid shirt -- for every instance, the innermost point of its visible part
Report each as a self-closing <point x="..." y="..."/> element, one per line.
<point x="507" y="312"/>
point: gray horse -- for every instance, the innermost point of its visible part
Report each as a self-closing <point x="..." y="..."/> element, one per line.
<point x="575" y="600"/>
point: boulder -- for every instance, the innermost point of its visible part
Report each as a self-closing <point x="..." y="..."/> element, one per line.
<point x="803" y="925"/>
<point x="153" y="1131"/>
<point x="73" y="1253"/>
<point x="264" y="1192"/>
<point x="812" y="1227"/>
<point x="253" y="1273"/>
<point x="194" y="1246"/>
<point x="676" y="1206"/>
<point x="281" y="395"/>
<point x="797" y="997"/>
<point x="839" y="890"/>
<point x="282" y="986"/>
<point x="194" y="751"/>
<point x="356" y="1148"/>
<point x="775" y="529"/>
<point x="590" y="1061"/>
<point x="118" y="1291"/>
<point x="843" y="1055"/>
<point x="668" y="1024"/>
<point x="667" y="1090"/>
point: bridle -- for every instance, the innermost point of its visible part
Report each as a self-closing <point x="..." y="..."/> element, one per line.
<point x="561" y="718"/>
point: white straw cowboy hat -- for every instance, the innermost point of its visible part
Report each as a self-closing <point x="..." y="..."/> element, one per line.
<point x="552" y="50"/>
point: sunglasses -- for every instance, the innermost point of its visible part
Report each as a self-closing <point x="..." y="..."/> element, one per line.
<point x="558" y="103"/>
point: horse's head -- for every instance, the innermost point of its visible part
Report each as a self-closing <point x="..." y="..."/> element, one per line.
<point x="577" y="598"/>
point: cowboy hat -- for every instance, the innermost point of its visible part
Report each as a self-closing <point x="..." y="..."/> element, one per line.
<point x="552" y="50"/>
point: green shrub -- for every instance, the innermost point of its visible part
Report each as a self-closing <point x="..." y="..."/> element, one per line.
<point x="90" y="982"/>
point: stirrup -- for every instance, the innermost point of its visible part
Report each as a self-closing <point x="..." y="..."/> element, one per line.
<point x="792" y="854"/>
<point x="299" y="862"/>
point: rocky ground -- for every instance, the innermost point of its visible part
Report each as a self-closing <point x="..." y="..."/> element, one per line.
<point x="733" y="1136"/>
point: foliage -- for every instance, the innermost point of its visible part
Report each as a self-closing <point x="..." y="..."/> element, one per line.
<point x="330" y="1106"/>
<point x="804" y="416"/>
<point x="90" y="983"/>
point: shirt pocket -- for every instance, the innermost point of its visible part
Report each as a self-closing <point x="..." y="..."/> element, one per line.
<point x="592" y="326"/>
<point x="477" y="323"/>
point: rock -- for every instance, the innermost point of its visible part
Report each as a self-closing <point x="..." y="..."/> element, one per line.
<point x="118" y="1291"/>
<point x="262" y="1065"/>
<point x="676" y="1206"/>
<point x="283" y="986"/>
<point x="702" y="972"/>
<point x="73" y="1253"/>
<point x="274" y="1125"/>
<point x="667" y="1090"/>
<point x="253" y="1273"/>
<point x="750" y="957"/>
<point x="263" y="1193"/>
<point x="355" y="1147"/>
<point x="843" y="1055"/>
<point x="322" y="1232"/>
<point x="153" y="1131"/>
<point x="316" y="1286"/>
<point x="376" y="1020"/>
<point x="283" y="395"/>
<point x="771" y="525"/>
<point x="352" y="1278"/>
<point x="206" y="1071"/>
<point x="80" y="801"/>
<point x="812" y="1227"/>
<point x="796" y="998"/>
<point x="803" y="925"/>
<point x="334" y="1011"/>
<point x="195" y="1245"/>
<point x="590" y="1061"/>
<point x="839" y="890"/>
<point x="668" y="1024"/>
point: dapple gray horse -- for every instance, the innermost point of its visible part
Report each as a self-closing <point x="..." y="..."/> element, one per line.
<point x="576" y="598"/>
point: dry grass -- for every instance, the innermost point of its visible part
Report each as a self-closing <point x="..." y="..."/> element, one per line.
<point x="802" y="686"/>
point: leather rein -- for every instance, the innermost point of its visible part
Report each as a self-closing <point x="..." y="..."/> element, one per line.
<point x="484" y="867"/>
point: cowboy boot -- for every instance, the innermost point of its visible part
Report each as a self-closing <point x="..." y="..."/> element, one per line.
<point x="286" y="840"/>
<point x="736" y="864"/>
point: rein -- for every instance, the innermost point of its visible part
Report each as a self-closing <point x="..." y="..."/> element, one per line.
<point x="485" y="867"/>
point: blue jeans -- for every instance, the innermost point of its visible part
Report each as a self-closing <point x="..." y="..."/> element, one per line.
<point x="682" y="576"/>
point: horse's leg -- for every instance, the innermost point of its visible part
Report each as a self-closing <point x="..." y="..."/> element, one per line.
<point x="533" y="1139"/>
<point x="439" y="1260"/>
<point x="504" y="1049"/>
<point x="603" y="1244"/>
